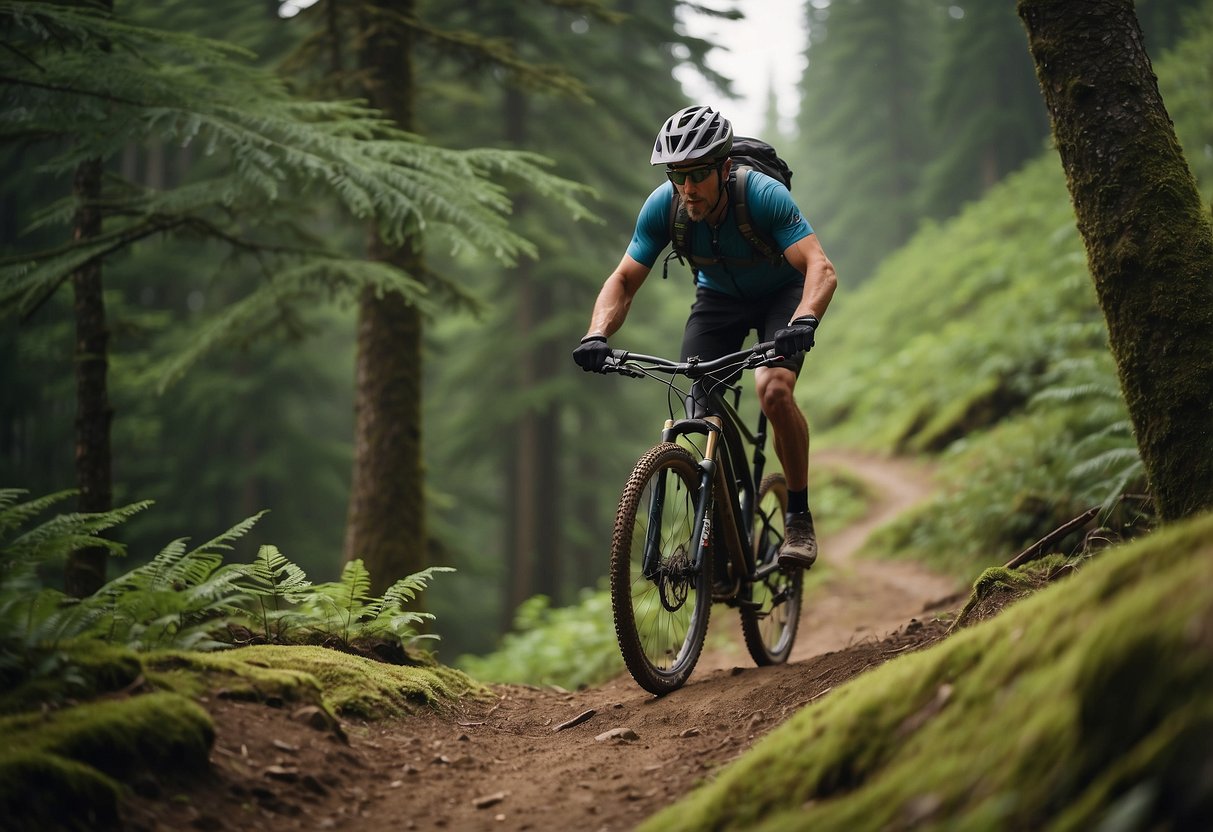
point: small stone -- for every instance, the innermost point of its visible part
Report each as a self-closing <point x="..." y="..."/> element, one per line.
<point x="626" y="734"/>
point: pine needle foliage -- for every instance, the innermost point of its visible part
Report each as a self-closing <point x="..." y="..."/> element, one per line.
<point x="184" y="598"/>
<point x="91" y="85"/>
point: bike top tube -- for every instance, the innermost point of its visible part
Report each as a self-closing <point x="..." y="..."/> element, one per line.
<point x="759" y="355"/>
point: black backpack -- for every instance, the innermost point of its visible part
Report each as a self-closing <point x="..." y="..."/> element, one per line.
<point x="747" y="154"/>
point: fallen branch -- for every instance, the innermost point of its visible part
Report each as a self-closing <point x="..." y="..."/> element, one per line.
<point x="577" y="720"/>
<point x="1038" y="548"/>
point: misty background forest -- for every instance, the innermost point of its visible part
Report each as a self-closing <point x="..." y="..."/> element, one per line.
<point x="380" y="361"/>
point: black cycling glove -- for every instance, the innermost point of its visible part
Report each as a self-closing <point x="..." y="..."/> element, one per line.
<point x="796" y="337"/>
<point x="592" y="353"/>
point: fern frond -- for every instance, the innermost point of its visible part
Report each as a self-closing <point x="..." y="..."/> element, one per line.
<point x="341" y="603"/>
<point x="222" y="542"/>
<point x="14" y="514"/>
<point x="1115" y="459"/>
<point x="408" y="588"/>
<point x="63" y="534"/>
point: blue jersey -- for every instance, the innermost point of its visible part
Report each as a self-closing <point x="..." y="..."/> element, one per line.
<point x="772" y="210"/>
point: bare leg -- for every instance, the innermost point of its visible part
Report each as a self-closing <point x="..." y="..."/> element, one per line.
<point x="776" y="395"/>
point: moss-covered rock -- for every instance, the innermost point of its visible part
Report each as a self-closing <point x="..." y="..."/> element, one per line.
<point x="1089" y="703"/>
<point x="79" y="669"/>
<point x="61" y="769"/>
<point x="344" y="684"/>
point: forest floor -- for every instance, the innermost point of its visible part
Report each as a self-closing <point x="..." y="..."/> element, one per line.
<point x="504" y="763"/>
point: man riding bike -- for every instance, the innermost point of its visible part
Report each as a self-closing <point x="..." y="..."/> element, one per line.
<point x="736" y="291"/>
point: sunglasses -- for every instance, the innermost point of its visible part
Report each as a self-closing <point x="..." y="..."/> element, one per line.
<point x="696" y="175"/>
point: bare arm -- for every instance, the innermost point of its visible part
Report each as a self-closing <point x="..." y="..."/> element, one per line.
<point x="807" y="256"/>
<point x="615" y="297"/>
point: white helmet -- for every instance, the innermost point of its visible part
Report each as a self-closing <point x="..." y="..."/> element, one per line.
<point x="693" y="133"/>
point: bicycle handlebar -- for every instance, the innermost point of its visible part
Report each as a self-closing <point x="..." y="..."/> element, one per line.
<point x="759" y="355"/>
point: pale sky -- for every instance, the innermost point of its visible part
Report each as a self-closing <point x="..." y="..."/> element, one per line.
<point x="765" y="48"/>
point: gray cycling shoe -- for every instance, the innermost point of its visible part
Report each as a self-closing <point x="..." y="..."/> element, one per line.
<point x="799" y="550"/>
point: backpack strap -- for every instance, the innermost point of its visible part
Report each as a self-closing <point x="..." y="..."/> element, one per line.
<point x="679" y="223"/>
<point x="764" y="245"/>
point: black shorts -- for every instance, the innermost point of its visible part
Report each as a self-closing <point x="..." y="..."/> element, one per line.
<point x="719" y="324"/>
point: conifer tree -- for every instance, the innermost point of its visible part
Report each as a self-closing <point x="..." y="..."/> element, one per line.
<point x="92" y="83"/>
<point x="861" y="127"/>
<point x="377" y="50"/>
<point x="983" y="109"/>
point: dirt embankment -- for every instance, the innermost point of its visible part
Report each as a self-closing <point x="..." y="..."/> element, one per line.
<point x="508" y="764"/>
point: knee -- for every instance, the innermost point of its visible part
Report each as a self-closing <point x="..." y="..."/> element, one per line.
<point x="776" y="396"/>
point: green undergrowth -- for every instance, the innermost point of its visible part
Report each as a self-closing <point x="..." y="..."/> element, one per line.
<point x="1088" y="705"/>
<point x="97" y="690"/>
<point x="981" y="340"/>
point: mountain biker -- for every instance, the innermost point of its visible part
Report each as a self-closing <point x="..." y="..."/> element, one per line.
<point x="736" y="292"/>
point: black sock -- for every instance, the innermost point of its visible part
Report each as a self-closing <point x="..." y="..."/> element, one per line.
<point x="798" y="501"/>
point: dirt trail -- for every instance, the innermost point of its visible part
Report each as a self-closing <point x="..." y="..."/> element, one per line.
<point x="503" y="765"/>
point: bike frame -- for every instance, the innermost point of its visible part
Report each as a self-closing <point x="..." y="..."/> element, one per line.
<point x="725" y="481"/>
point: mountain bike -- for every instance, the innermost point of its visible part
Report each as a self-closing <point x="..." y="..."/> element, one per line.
<point x="696" y="524"/>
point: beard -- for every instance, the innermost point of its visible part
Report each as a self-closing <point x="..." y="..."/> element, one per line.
<point x="698" y="207"/>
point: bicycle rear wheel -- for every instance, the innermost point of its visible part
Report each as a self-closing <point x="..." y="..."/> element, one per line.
<point x="660" y="597"/>
<point x="770" y="625"/>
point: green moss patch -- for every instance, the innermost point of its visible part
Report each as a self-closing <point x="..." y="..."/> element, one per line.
<point x="1087" y="705"/>
<point x="344" y="684"/>
<point x="60" y="769"/>
<point x="81" y="669"/>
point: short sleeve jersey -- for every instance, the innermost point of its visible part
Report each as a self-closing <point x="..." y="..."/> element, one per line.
<point x="742" y="273"/>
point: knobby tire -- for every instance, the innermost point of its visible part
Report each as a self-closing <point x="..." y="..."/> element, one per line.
<point x="661" y="619"/>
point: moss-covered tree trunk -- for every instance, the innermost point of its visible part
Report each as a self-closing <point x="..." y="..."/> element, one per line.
<point x="1148" y="237"/>
<point x="386" y="524"/>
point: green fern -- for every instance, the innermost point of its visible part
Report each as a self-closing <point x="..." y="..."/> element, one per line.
<point x="276" y="584"/>
<point x="337" y="606"/>
<point x="345" y="609"/>
<point x="184" y="598"/>
<point x="388" y="615"/>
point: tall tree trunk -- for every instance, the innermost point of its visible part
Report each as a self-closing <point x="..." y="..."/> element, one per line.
<point x="535" y="546"/>
<point x="1148" y="237"/>
<point x="85" y="572"/>
<point x="386" y="522"/>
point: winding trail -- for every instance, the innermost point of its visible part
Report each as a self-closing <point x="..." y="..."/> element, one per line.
<point x="506" y="764"/>
<point x="859" y="598"/>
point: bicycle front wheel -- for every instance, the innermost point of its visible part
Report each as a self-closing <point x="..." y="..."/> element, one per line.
<point x="770" y="624"/>
<point x="660" y="597"/>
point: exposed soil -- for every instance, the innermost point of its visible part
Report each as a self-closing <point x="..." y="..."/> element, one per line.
<point x="507" y="764"/>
